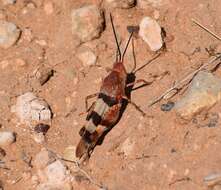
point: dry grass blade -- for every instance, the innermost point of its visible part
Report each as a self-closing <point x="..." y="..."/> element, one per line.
<point x="206" y="29"/>
<point x="77" y="164"/>
<point x="186" y="80"/>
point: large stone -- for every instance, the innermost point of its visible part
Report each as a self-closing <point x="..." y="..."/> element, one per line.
<point x="87" y="22"/>
<point x="123" y="4"/>
<point x="150" y="32"/>
<point x="203" y="93"/>
<point x="29" y="107"/>
<point x="9" y="34"/>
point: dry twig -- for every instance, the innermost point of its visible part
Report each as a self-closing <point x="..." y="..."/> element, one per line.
<point x="206" y="29"/>
<point x="186" y="80"/>
<point x="92" y="181"/>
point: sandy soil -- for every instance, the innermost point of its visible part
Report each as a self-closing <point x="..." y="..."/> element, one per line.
<point x="161" y="151"/>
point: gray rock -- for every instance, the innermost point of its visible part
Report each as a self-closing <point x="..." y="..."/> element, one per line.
<point x="29" y="107"/>
<point x="7" y="138"/>
<point x="43" y="158"/>
<point x="150" y="32"/>
<point x="123" y="4"/>
<point x="203" y="93"/>
<point x="87" y="22"/>
<point x="9" y="34"/>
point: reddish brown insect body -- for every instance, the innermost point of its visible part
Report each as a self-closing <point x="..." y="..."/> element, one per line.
<point x="105" y="112"/>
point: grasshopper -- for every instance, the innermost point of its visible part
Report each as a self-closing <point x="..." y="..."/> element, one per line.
<point x="106" y="111"/>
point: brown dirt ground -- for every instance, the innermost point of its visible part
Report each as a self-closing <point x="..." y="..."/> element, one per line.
<point x="174" y="151"/>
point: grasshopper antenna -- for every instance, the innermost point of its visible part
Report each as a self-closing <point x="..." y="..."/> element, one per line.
<point x="127" y="46"/>
<point x="115" y="36"/>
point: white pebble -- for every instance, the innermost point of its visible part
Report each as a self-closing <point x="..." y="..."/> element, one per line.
<point x="39" y="138"/>
<point x="150" y="32"/>
<point x="7" y="138"/>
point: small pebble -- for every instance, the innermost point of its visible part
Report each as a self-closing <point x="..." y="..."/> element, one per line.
<point x="86" y="56"/>
<point x="8" y="2"/>
<point x="27" y="34"/>
<point x="19" y="62"/>
<point x="4" y="64"/>
<point x="127" y="147"/>
<point x="168" y="106"/>
<point x="43" y="74"/>
<point x="2" y="153"/>
<point x="213" y="120"/>
<point x="7" y="138"/>
<point x="41" y="42"/>
<point x="156" y="14"/>
<point x="173" y="150"/>
<point x="39" y="138"/>
<point x="48" y="7"/>
<point x="41" y="128"/>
